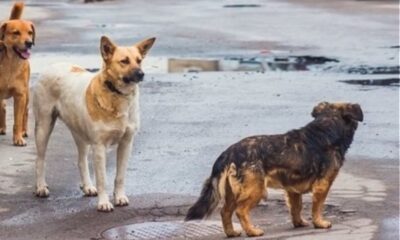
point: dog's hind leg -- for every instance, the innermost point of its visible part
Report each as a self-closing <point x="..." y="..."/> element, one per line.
<point x="86" y="183"/>
<point x="45" y="121"/>
<point x="123" y="152"/>
<point x="25" y="117"/>
<point x="295" y="204"/>
<point x="227" y="212"/>
<point x="252" y="191"/>
<point x="3" y="117"/>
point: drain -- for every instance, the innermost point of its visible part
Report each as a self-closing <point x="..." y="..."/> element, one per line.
<point x="165" y="230"/>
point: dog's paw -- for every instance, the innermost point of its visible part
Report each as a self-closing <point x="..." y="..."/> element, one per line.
<point x="322" y="224"/>
<point x="19" y="141"/>
<point x="105" y="207"/>
<point x="25" y="135"/>
<point x="255" y="232"/>
<point x="233" y="233"/>
<point x="42" y="191"/>
<point x="301" y="223"/>
<point x="121" y="201"/>
<point x="89" y="191"/>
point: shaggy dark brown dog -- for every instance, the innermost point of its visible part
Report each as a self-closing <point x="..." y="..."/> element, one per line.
<point x="299" y="161"/>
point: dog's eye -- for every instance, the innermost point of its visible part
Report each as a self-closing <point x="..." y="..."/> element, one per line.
<point x="30" y="32"/>
<point x="139" y="61"/>
<point x="125" y="61"/>
<point x="16" y="33"/>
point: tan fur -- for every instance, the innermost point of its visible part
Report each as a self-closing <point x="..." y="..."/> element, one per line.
<point x="241" y="197"/>
<point x="103" y="106"/>
<point x="77" y="69"/>
<point x="17" y="10"/>
<point x="15" y="72"/>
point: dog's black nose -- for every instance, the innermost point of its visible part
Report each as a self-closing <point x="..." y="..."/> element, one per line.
<point x="28" y="44"/>
<point x="135" y="76"/>
<point x="139" y="74"/>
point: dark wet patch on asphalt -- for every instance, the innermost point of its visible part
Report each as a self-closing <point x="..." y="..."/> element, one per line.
<point x="374" y="82"/>
<point x="253" y="64"/>
<point x="242" y="5"/>
<point x="363" y="69"/>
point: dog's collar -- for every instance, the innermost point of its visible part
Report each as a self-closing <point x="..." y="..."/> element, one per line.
<point x="112" y="88"/>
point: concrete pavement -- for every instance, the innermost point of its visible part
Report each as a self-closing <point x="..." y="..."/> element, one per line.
<point x="189" y="118"/>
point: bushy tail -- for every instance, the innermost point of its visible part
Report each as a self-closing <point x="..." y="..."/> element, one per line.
<point x="207" y="202"/>
<point x="17" y="10"/>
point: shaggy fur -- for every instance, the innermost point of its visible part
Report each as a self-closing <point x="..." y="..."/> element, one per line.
<point x="299" y="161"/>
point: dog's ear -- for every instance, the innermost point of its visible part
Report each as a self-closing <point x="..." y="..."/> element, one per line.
<point x="145" y="45"/>
<point x="319" y="109"/>
<point x="3" y="31"/>
<point x="353" y="112"/>
<point x="33" y="34"/>
<point x="107" y="48"/>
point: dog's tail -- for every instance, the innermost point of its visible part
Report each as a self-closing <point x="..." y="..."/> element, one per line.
<point x="17" y="10"/>
<point x="213" y="190"/>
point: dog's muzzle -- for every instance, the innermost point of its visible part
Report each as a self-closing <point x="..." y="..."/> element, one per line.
<point x="136" y="76"/>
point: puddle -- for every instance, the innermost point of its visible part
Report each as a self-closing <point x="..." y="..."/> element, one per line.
<point x="375" y="82"/>
<point x="256" y="64"/>
<point x="375" y="70"/>
<point x="260" y="63"/>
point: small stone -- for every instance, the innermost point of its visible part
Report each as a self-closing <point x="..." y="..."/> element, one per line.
<point x="348" y="211"/>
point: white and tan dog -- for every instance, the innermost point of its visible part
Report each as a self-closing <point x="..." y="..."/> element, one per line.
<point x="100" y="109"/>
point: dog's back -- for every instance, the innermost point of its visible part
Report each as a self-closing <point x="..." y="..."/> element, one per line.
<point x="62" y="86"/>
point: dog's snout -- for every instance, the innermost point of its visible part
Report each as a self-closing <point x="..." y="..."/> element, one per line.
<point x="139" y="74"/>
<point x="28" y="44"/>
<point x="135" y="76"/>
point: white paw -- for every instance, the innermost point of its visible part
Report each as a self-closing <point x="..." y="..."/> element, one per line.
<point x="105" y="207"/>
<point x="42" y="191"/>
<point x="121" y="200"/>
<point x="89" y="190"/>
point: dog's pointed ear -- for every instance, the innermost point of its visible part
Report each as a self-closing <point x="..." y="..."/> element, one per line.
<point x="319" y="109"/>
<point x="353" y="112"/>
<point x="33" y="34"/>
<point x="145" y="45"/>
<point x="107" y="48"/>
<point x="3" y="31"/>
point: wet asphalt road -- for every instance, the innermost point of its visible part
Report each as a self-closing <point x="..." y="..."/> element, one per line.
<point x="188" y="119"/>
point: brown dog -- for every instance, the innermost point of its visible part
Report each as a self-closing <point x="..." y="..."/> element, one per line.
<point x="299" y="161"/>
<point x="16" y="39"/>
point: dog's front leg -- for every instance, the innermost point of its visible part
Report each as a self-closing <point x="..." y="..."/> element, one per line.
<point x="123" y="152"/>
<point x="2" y="117"/>
<point x="20" y="101"/>
<point x="104" y="204"/>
